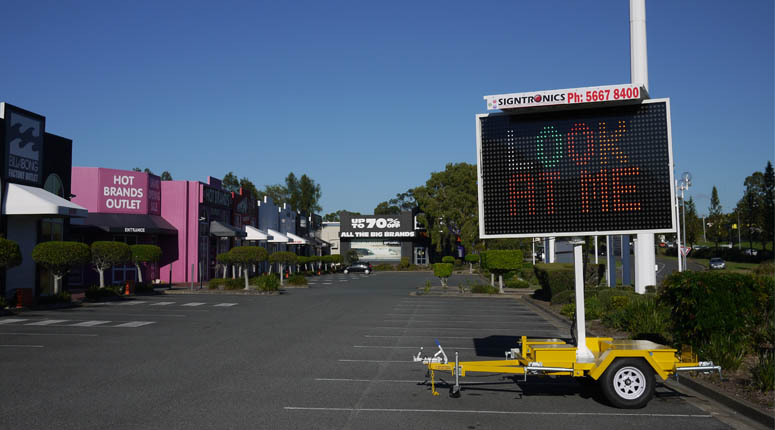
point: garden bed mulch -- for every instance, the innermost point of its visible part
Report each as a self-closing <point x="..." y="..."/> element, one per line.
<point x="734" y="384"/>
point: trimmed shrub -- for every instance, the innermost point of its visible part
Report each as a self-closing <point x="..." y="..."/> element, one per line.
<point x="555" y="277"/>
<point x="448" y="259"/>
<point x="484" y="289"/>
<point x="404" y="264"/>
<point x="297" y="280"/>
<point x="63" y="297"/>
<point x="216" y="283"/>
<point x="96" y="292"/>
<point x="105" y="255"/>
<point x="383" y="267"/>
<point x="501" y="261"/>
<point x="284" y="258"/>
<point x="234" y="284"/>
<point x="266" y="282"/>
<point x="10" y="254"/>
<point x="718" y="313"/>
<point x="247" y="256"/>
<point x="564" y="297"/>
<point x="527" y="272"/>
<point x="143" y="288"/>
<point x="144" y="254"/>
<point x="517" y="283"/>
<point x="443" y="271"/>
<point x="59" y="257"/>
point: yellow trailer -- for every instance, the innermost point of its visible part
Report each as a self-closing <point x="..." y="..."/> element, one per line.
<point x="624" y="369"/>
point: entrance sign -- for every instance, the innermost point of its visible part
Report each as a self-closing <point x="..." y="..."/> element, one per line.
<point x="568" y="96"/>
<point x="593" y="171"/>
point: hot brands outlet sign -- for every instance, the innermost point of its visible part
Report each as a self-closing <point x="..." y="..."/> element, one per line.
<point x="565" y="97"/>
<point x="129" y="192"/>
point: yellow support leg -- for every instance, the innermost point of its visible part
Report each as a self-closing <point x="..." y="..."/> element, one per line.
<point x="433" y="385"/>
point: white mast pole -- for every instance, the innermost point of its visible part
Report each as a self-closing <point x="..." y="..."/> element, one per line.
<point x="639" y="74"/>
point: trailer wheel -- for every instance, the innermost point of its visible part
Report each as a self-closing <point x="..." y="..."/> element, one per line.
<point x="628" y="383"/>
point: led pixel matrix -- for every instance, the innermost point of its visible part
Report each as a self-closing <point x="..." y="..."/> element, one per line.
<point x="598" y="170"/>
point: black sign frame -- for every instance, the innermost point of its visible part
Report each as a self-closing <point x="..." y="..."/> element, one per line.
<point x="9" y="110"/>
<point x="569" y="214"/>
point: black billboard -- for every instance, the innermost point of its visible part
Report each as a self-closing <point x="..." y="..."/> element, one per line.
<point x="23" y="145"/>
<point x="376" y="226"/>
<point x="604" y="170"/>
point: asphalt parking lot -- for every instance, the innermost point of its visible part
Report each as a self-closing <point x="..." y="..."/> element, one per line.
<point x="336" y="355"/>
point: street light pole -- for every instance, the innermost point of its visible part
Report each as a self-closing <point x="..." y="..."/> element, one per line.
<point x="686" y="182"/>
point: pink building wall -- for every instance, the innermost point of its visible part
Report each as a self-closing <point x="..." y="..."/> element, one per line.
<point x="84" y="183"/>
<point x="180" y="207"/>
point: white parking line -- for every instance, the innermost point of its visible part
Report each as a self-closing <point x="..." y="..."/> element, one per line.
<point x="395" y="381"/>
<point x="21" y="346"/>
<point x="226" y="304"/>
<point x="418" y="335"/>
<point x="134" y="324"/>
<point x="89" y="323"/>
<point x="132" y="303"/>
<point x="12" y="320"/>
<point x="47" y="322"/>
<point x="472" y="411"/>
<point x="163" y="304"/>
<point x="47" y="334"/>
<point x="349" y="360"/>
<point x="408" y="347"/>
<point x="194" y="304"/>
<point x="454" y="315"/>
<point x="459" y="328"/>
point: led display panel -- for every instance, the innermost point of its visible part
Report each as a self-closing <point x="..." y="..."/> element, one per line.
<point x="604" y="170"/>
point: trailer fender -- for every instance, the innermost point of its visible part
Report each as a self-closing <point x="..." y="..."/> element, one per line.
<point x="609" y="356"/>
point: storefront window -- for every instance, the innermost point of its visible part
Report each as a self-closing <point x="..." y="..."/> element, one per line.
<point x="127" y="272"/>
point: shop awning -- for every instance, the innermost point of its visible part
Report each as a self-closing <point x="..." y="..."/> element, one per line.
<point x="256" y="234"/>
<point x="128" y="223"/>
<point x="277" y="237"/>
<point x="296" y="240"/>
<point x="26" y="200"/>
<point x="320" y="243"/>
<point x="221" y="229"/>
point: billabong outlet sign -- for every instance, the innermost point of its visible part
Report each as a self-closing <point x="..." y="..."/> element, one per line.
<point x="23" y="143"/>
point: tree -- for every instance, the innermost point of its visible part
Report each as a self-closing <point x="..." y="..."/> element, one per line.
<point x="768" y="206"/>
<point x="715" y="218"/>
<point x="502" y="261"/>
<point x="142" y="255"/>
<point x="294" y="191"/>
<point x="442" y="271"/>
<point x="166" y="176"/>
<point x="59" y="257"/>
<point x="385" y="208"/>
<point x="693" y="223"/>
<point x="750" y="207"/>
<point x="449" y="207"/>
<point x="137" y="169"/>
<point x="309" y="195"/>
<point x="247" y="256"/>
<point x="105" y="255"/>
<point x="331" y="217"/>
<point x="282" y="258"/>
<point x="471" y="259"/>
<point x="225" y="259"/>
<point x="249" y="187"/>
<point x="230" y="182"/>
<point x="278" y="193"/>
<point x="10" y="254"/>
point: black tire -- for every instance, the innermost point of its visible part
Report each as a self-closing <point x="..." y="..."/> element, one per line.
<point x="628" y="383"/>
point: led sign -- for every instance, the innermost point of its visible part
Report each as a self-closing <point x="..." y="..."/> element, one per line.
<point x="604" y="170"/>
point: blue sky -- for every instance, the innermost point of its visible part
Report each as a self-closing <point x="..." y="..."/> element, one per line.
<point x="368" y="98"/>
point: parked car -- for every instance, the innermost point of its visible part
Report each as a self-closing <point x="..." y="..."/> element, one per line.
<point x="717" y="263"/>
<point x="360" y="266"/>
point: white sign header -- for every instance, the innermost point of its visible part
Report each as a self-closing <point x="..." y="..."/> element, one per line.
<point x="565" y="97"/>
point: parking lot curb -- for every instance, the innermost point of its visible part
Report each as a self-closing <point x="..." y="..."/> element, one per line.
<point x="740" y="406"/>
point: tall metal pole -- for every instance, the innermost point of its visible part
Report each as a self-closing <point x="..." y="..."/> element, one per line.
<point x="678" y="228"/>
<point x="683" y="205"/>
<point x="639" y="74"/>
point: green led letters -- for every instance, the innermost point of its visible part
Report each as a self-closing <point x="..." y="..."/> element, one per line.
<point x="549" y="133"/>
